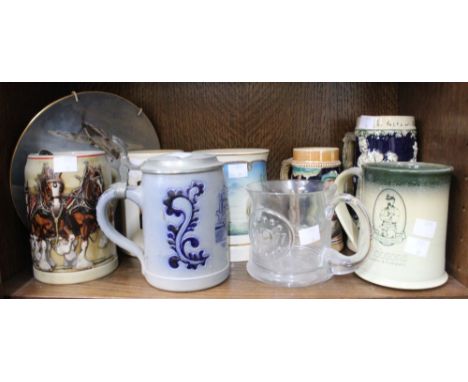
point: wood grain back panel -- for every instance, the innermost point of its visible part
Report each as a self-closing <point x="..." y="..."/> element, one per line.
<point x="441" y="112"/>
<point x="278" y="116"/>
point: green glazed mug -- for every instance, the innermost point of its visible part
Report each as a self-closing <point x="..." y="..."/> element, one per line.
<point x="408" y="206"/>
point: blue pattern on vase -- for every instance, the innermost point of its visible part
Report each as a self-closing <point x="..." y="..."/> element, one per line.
<point x="183" y="203"/>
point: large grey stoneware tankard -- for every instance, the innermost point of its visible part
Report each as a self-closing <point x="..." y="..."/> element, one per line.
<point x="183" y="202"/>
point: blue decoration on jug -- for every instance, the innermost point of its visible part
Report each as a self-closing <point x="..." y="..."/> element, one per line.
<point x="179" y="236"/>
<point x="220" y="227"/>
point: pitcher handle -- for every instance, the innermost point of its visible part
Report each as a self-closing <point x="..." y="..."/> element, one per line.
<point x="341" y="264"/>
<point x="119" y="191"/>
<point x="347" y="222"/>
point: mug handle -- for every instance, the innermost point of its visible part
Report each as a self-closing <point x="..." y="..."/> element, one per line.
<point x="285" y="168"/>
<point x="341" y="264"/>
<point x="347" y="222"/>
<point x="119" y="191"/>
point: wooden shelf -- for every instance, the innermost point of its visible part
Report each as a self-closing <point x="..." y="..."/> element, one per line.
<point x="278" y="116"/>
<point x="127" y="282"/>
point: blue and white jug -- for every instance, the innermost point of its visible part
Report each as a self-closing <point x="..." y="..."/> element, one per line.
<point x="183" y="201"/>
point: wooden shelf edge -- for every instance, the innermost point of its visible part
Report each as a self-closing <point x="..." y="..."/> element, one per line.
<point x="127" y="282"/>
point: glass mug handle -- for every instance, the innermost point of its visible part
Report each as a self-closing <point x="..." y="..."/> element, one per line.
<point x="341" y="264"/>
<point x="119" y="191"/>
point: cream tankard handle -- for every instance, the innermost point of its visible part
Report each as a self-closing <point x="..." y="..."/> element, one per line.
<point x="285" y="168"/>
<point x="119" y="191"/>
<point x="339" y="263"/>
<point x="342" y="212"/>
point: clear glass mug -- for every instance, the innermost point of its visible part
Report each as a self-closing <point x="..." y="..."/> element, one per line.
<point x="290" y="232"/>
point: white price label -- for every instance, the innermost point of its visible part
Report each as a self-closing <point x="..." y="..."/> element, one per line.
<point x="65" y="163"/>
<point x="417" y="247"/>
<point x="134" y="177"/>
<point x="238" y="170"/>
<point x="309" y="235"/>
<point x="424" y="228"/>
<point x="181" y="155"/>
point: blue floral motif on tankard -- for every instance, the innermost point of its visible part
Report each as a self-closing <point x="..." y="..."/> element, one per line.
<point x="385" y="139"/>
<point x="179" y="236"/>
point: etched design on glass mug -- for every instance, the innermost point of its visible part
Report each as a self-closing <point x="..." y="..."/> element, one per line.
<point x="270" y="233"/>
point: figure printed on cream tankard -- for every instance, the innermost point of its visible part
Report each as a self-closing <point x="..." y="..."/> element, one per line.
<point x="182" y="197"/>
<point x="408" y="205"/>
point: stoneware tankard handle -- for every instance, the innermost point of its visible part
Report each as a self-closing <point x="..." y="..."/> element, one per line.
<point x="341" y="264"/>
<point x="347" y="222"/>
<point x="119" y="191"/>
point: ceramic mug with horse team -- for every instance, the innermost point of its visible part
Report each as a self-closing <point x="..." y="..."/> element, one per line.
<point x="62" y="191"/>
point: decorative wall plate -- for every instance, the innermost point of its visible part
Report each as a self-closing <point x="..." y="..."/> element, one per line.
<point x="109" y="112"/>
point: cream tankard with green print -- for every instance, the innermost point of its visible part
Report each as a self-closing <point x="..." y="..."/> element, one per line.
<point x="408" y="207"/>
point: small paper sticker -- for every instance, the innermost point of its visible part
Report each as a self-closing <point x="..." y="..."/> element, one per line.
<point x="309" y="235"/>
<point x="65" y="163"/>
<point x="417" y="247"/>
<point x="180" y="155"/>
<point x="424" y="228"/>
<point x="238" y="170"/>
